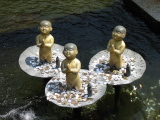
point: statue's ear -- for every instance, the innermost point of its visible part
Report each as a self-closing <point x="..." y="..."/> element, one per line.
<point x="124" y="35"/>
<point x="76" y="52"/>
<point x="51" y="28"/>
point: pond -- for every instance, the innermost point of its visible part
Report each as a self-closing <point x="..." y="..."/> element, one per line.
<point x="88" y="24"/>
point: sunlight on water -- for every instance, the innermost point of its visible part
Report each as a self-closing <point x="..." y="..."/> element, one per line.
<point x="16" y="15"/>
<point x="27" y="115"/>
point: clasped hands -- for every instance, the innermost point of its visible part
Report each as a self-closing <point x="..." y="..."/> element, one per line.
<point x="69" y="67"/>
<point x="112" y="48"/>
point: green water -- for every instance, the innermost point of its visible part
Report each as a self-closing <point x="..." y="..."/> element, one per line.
<point x="21" y="14"/>
<point x="88" y="24"/>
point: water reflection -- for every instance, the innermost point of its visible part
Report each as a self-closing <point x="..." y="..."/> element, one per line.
<point x="17" y="15"/>
<point x="90" y="30"/>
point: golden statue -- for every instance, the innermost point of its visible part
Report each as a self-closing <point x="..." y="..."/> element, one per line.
<point x="71" y="66"/>
<point x="45" y="41"/>
<point x="116" y="46"/>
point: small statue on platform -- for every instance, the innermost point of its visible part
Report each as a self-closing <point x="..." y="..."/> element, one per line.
<point x="116" y="46"/>
<point x="57" y="62"/>
<point x="45" y="41"/>
<point x="89" y="89"/>
<point x="71" y="66"/>
<point x="128" y="71"/>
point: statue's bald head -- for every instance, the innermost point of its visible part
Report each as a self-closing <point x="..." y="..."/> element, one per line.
<point x="70" y="46"/>
<point x="70" y="51"/>
<point x="46" y="22"/>
<point x="120" y="29"/>
<point x="45" y="27"/>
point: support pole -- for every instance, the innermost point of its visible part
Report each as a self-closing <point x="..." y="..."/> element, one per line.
<point x="77" y="113"/>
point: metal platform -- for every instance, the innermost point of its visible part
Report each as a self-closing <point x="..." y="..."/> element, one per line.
<point x="56" y="92"/>
<point x="29" y="62"/>
<point x="99" y="64"/>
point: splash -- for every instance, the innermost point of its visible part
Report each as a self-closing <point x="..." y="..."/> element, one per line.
<point x="27" y="115"/>
<point x="15" y="112"/>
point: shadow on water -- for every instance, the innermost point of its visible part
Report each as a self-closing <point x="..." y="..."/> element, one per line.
<point x="23" y="95"/>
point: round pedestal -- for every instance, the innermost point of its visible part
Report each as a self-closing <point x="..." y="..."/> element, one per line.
<point x="29" y="62"/>
<point x="56" y="90"/>
<point x="99" y="64"/>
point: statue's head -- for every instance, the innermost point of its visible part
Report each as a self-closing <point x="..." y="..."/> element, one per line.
<point x="45" y="27"/>
<point x="119" y="32"/>
<point x="70" y="51"/>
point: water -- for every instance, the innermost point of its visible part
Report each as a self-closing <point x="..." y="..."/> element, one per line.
<point x="88" y="24"/>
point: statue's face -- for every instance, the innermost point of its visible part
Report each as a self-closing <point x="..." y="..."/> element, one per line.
<point x="70" y="52"/>
<point x="118" y="33"/>
<point x="45" y="27"/>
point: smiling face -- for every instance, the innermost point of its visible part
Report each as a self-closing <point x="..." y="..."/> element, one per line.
<point x="45" y="27"/>
<point x="119" y="33"/>
<point x="70" y="51"/>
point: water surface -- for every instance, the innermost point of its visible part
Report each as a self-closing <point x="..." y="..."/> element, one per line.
<point x="88" y="24"/>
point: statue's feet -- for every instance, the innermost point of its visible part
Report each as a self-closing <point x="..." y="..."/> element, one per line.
<point x="112" y="68"/>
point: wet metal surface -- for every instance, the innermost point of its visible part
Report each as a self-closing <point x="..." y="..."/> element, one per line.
<point x="29" y="62"/>
<point x="100" y="64"/>
<point x="57" y="93"/>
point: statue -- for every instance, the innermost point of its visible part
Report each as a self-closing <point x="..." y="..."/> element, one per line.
<point x="89" y="89"/>
<point x="71" y="66"/>
<point x="57" y="62"/>
<point x="45" y="41"/>
<point x="128" y="71"/>
<point x="116" y="46"/>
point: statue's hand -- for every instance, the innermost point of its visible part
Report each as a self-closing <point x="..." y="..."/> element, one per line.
<point x="43" y="42"/>
<point x="112" y="49"/>
<point x="69" y="67"/>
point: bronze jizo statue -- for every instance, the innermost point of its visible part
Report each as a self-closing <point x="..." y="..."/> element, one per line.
<point x="71" y="66"/>
<point x="116" y="46"/>
<point x="45" y="41"/>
